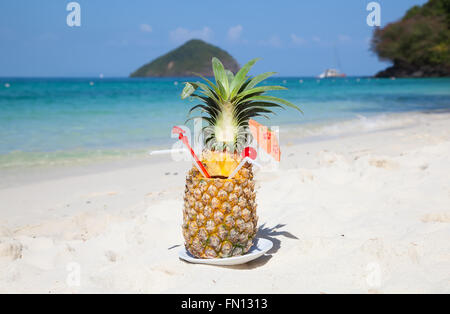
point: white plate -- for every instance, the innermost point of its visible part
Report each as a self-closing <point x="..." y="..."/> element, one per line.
<point x="259" y="248"/>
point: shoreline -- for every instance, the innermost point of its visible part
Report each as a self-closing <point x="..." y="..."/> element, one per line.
<point x="339" y="211"/>
<point x="290" y="134"/>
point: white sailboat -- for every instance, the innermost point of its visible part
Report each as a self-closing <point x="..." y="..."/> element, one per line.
<point x="331" y="73"/>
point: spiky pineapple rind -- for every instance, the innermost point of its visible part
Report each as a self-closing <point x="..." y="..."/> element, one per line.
<point x="219" y="216"/>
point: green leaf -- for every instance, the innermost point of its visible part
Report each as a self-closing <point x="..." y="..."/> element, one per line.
<point x="208" y="101"/>
<point x="220" y="75"/>
<point x="259" y="78"/>
<point x="247" y="105"/>
<point x="274" y="100"/>
<point x="213" y="86"/>
<point x="252" y="110"/>
<point x="187" y="90"/>
<point x="210" y="120"/>
<point x="266" y="104"/>
<point x="244" y="86"/>
<point x="241" y="77"/>
<point x="222" y="91"/>
<point x="213" y="112"/>
<point x="243" y="121"/>
<point x="206" y="91"/>
<point x="243" y="118"/>
<point x="204" y="78"/>
<point x="230" y="76"/>
<point x="259" y="90"/>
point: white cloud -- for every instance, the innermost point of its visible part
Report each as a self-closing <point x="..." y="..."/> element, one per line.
<point x="296" y="40"/>
<point x="273" y="41"/>
<point x="146" y="28"/>
<point x="344" y="38"/>
<point x="235" y="32"/>
<point x="181" y="34"/>
<point x="316" y="39"/>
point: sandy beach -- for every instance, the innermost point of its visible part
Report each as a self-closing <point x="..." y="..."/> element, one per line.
<point x="347" y="211"/>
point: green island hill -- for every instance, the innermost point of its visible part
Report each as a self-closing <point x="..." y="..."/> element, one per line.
<point x="193" y="57"/>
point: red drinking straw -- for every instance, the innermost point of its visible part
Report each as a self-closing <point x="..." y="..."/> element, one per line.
<point x="249" y="152"/>
<point x="179" y="131"/>
<point x="248" y="155"/>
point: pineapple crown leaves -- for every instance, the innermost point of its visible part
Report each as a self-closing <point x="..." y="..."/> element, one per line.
<point x="230" y="102"/>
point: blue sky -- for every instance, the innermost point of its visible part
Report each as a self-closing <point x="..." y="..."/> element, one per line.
<point x="294" y="38"/>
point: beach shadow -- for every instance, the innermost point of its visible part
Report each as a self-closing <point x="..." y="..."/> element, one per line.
<point x="271" y="234"/>
<point x="174" y="246"/>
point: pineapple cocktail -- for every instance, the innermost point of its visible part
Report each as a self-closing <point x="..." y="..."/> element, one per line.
<point x="219" y="216"/>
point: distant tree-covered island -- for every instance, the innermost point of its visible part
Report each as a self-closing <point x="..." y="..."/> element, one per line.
<point x="192" y="57"/>
<point x="419" y="44"/>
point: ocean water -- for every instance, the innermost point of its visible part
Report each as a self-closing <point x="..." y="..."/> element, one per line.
<point x="53" y="121"/>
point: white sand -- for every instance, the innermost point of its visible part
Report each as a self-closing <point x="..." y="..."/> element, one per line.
<point x="367" y="213"/>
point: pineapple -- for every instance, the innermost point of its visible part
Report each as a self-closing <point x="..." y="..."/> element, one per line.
<point x="219" y="216"/>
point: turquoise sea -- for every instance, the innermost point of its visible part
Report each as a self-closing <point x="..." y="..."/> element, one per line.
<point x="46" y="121"/>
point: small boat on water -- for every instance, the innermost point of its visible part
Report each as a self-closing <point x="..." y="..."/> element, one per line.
<point x="331" y="73"/>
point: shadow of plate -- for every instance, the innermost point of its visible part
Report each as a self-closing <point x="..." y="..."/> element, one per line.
<point x="269" y="233"/>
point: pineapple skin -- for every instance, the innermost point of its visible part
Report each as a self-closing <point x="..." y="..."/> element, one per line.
<point x="219" y="215"/>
